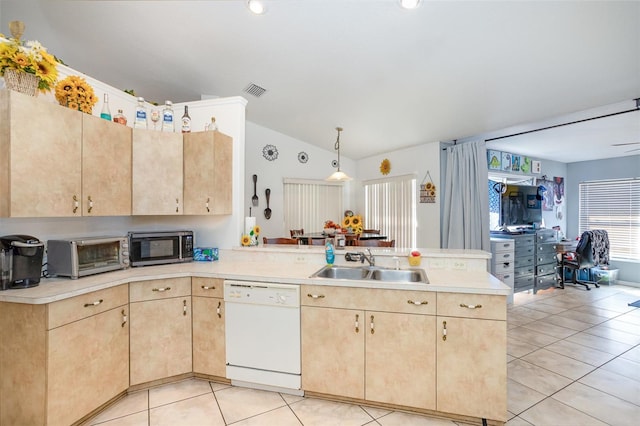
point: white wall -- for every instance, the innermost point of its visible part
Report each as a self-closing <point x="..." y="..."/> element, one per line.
<point x="271" y="174"/>
<point x="416" y="160"/>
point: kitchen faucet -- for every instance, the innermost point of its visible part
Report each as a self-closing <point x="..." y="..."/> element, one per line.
<point x="370" y="259"/>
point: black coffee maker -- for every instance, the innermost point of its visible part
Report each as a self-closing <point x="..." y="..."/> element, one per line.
<point x="21" y="261"/>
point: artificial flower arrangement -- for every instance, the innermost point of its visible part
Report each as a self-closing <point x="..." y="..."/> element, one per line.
<point x="29" y="57"/>
<point x="75" y="93"/>
<point x="353" y="223"/>
<point x="251" y="239"/>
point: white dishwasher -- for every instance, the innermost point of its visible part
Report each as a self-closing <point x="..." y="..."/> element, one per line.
<point x="263" y="335"/>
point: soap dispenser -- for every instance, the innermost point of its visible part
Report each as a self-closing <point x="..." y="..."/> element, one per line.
<point x="329" y="251"/>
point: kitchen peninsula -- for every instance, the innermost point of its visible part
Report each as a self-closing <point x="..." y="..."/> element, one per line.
<point x="53" y="339"/>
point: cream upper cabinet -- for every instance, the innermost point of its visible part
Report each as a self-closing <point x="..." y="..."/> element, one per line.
<point x="66" y="358"/>
<point x="472" y="372"/>
<point x="157" y="179"/>
<point x="41" y="156"/>
<point x="208" y="168"/>
<point x="106" y="168"/>
<point x="160" y="329"/>
<point x="384" y="353"/>
<point x="209" y="354"/>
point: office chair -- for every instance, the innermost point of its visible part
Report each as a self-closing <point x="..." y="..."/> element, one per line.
<point x="592" y="250"/>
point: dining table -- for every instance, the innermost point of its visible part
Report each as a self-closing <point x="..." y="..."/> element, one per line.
<point x="306" y="238"/>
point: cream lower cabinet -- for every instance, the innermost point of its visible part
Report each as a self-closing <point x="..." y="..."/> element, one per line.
<point x="160" y="312"/>
<point x="385" y="353"/>
<point x="208" y="326"/>
<point x="157" y="176"/>
<point x="208" y="173"/>
<point x="472" y="372"/>
<point x="63" y="360"/>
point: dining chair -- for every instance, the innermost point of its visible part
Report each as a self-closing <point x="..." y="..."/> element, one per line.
<point x="377" y="243"/>
<point x="352" y="240"/>
<point x="371" y="231"/>
<point x="296" y="232"/>
<point x="279" y="240"/>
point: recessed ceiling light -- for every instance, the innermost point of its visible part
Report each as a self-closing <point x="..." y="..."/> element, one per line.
<point x="256" y="7"/>
<point x="409" y="4"/>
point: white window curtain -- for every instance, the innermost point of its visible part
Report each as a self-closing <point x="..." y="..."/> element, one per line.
<point x="390" y="206"/>
<point x="614" y="206"/>
<point x="309" y="203"/>
<point x="465" y="221"/>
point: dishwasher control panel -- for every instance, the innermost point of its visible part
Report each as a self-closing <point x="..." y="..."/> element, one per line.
<point x="262" y="293"/>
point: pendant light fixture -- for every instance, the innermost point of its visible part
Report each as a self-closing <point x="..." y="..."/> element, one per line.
<point x="338" y="176"/>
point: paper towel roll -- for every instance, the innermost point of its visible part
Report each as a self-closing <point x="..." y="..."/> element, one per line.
<point x="249" y="224"/>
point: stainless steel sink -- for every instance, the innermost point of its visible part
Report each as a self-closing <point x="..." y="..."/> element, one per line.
<point x="370" y="273"/>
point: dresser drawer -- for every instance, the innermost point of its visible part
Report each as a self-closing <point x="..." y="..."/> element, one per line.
<point x="159" y="289"/>
<point x="524" y="270"/>
<point x="507" y="278"/>
<point x="86" y="305"/>
<point x="524" y="242"/>
<point x="524" y="261"/>
<point x="499" y="245"/>
<point x="545" y="235"/>
<point x="498" y="268"/>
<point x="549" y="268"/>
<point x="546" y="281"/>
<point x="523" y="282"/>
<point x="500" y="257"/>
<point x="546" y="258"/>
<point x="547" y="248"/>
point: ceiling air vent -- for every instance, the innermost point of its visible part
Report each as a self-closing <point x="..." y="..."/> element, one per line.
<point x="255" y="90"/>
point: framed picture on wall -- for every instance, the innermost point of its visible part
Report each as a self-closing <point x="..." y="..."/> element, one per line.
<point x="506" y="162"/>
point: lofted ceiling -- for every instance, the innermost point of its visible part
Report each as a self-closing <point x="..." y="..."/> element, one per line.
<point x="391" y="77"/>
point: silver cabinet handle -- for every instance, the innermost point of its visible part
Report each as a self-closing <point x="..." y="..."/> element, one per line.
<point x="357" y="325"/>
<point x="219" y="310"/>
<point x="207" y="205"/>
<point x="206" y="287"/>
<point x="411" y="302"/>
<point x="315" y="296"/>
<point x="372" y="325"/>
<point x="124" y="318"/>
<point x="96" y="303"/>
<point x="184" y="307"/>
<point x="462" y="305"/>
<point x="160" y="289"/>
<point x="90" y="204"/>
<point x="444" y="330"/>
<point x="75" y="204"/>
<point x="177" y="205"/>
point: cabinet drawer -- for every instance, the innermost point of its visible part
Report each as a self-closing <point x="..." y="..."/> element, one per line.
<point x="506" y="278"/>
<point x="207" y="287"/>
<point x="546" y="248"/>
<point x="546" y="258"/>
<point x="525" y="251"/>
<point x="523" y="281"/>
<point x="502" y="267"/>
<point x="499" y="246"/>
<point x="159" y="289"/>
<point x="502" y="257"/>
<point x="544" y="236"/>
<point x="523" y="261"/>
<point x="85" y="305"/>
<point x="472" y="306"/>
<point x="523" y="242"/>
<point x="546" y="281"/>
<point x="549" y="268"/>
<point x="524" y="271"/>
<point x="371" y="299"/>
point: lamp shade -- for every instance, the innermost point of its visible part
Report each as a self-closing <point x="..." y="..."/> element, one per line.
<point x="339" y="176"/>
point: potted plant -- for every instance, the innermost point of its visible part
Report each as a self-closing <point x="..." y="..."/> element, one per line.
<point x="26" y="67"/>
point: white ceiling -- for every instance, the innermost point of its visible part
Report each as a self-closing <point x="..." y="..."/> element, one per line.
<point x="391" y="77"/>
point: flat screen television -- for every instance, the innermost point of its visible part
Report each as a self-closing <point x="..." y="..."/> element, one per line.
<point x="521" y="205"/>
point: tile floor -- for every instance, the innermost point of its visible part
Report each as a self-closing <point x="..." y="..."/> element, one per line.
<point x="573" y="360"/>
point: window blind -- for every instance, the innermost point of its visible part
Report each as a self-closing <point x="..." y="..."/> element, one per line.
<point x="615" y="207"/>
<point x="308" y="204"/>
<point x="390" y="206"/>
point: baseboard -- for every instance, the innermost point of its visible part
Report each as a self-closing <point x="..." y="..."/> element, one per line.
<point x="627" y="283"/>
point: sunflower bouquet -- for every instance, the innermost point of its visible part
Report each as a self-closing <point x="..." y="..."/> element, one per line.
<point x="28" y="57"/>
<point x="353" y="223"/>
<point x="75" y="93"/>
<point x="251" y="239"/>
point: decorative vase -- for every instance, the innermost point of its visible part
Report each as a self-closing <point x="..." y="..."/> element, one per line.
<point x="21" y="82"/>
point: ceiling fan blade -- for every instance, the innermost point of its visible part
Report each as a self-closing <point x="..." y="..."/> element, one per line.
<point x="632" y="150"/>
<point x="623" y="144"/>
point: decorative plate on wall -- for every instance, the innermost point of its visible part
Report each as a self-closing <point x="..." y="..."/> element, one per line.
<point x="303" y="157"/>
<point x="385" y="167"/>
<point x="334" y="163"/>
<point x="270" y="152"/>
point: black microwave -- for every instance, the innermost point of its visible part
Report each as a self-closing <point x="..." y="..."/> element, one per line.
<point x="160" y="247"/>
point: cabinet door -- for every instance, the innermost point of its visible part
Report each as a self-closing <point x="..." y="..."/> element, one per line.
<point x="88" y="364"/>
<point x="208" y="168"/>
<point x="401" y="359"/>
<point x="157" y="173"/>
<point x="106" y="168"/>
<point x="333" y="351"/>
<point x="472" y="367"/>
<point x="160" y="339"/>
<point x="208" y="336"/>
<point x="44" y="158"/>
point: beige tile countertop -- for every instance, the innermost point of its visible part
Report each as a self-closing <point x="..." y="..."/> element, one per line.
<point x="457" y="271"/>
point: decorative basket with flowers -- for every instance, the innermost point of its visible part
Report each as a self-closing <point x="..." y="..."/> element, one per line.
<point x="26" y="67"/>
<point x="75" y="93"/>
